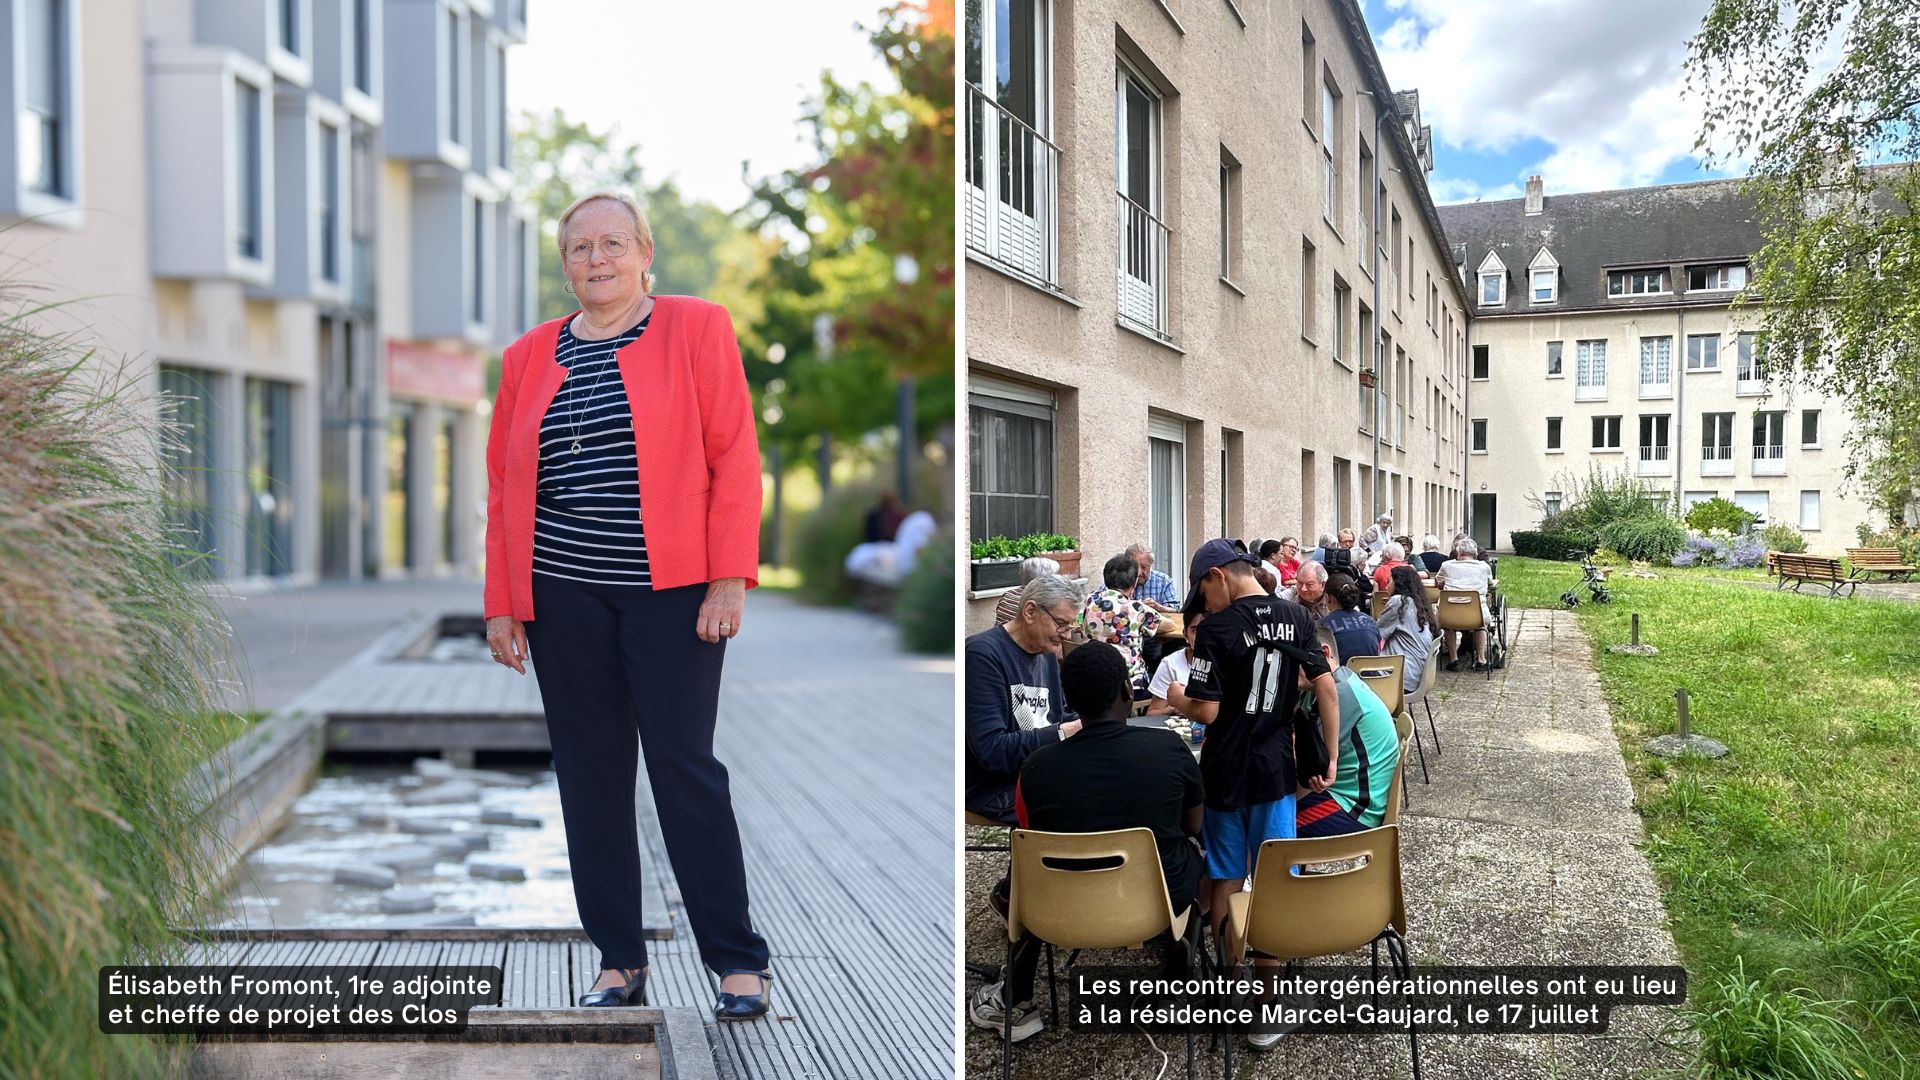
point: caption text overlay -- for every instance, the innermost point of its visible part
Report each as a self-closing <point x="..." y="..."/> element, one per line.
<point x="270" y="1000"/>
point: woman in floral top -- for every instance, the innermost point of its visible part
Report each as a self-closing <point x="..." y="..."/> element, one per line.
<point x="1112" y="615"/>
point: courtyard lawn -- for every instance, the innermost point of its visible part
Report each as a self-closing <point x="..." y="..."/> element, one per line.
<point x="1792" y="866"/>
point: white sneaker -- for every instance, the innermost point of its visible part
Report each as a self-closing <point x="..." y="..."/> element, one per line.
<point x="986" y="1011"/>
<point x="1264" y="1040"/>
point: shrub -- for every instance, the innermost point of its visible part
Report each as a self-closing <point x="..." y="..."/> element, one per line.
<point x="925" y="608"/>
<point x="1780" y="536"/>
<point x="1000" y="547"/>
<point x="1545" y="544"/>
<point x="106" y="706"/>
<point x="1647" y="538"/>
<point x="1906" y="541"/>
<point x="1721" y="514"/>
<point x="1747" y="551"/>
<point x="825" y="535"/>
<point x="1601" y="498"/>
<point x="1701" y="551"/>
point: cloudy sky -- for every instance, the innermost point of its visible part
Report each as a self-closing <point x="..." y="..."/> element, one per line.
<point x="699" y="87"/>
<point x="1588" y="94"/>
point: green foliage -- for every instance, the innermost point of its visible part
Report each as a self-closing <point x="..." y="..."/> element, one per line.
<point x="1781" y="536"/>
<point x="1000" y="547"/>
<point x="1555" y="544"/>
<point x="825" y="535"/>
<point x="1748" y="1029"/>
<point x="107" y="704"/>
<point x="1835" y="179"/>
<point x="1906" y="542"/>
<point x="924" y="610"/>
<point x="1649" y="538"/>
<point x="1591" y="502"/>
<point x="1722" y="514"/>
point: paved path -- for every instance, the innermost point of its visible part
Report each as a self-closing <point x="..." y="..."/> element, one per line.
<point x="1523" y="850"/>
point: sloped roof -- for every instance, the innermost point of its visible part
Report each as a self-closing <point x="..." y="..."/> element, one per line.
<point x="1592" y="232"/>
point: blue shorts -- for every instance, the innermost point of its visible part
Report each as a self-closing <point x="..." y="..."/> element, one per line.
<point x="1233" y="837"/>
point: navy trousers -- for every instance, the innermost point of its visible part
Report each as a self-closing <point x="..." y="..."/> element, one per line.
<point x="622" y="673"/>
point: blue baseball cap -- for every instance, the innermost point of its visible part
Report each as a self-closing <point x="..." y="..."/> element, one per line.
<point x="1213" y="553"/>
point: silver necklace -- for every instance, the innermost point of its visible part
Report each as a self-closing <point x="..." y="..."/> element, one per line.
<point x="574" y="397"/>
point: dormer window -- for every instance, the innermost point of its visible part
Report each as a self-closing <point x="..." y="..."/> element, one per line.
<point x="1493" y="281"/>
<point x="1543" y="278"/>
<point x="1637" y="282"/>
<point x="1721" y="278"/>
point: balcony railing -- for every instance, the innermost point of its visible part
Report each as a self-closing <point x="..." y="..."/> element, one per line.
<point x="1654" y="461"/>
<point x="1013" y="191"/>
<point x="1770" y="460"/>
<point x="1750" y="382"/>
<point x="1144" y="240"/>
<point x="1716" y="461"/>
<point x="1656" y="389"/>
<point x="1585" y="392"/>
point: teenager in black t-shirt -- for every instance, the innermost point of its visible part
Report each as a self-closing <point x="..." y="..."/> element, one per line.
<point x="1110" y="776"/>
<point x="1247" y="658"/>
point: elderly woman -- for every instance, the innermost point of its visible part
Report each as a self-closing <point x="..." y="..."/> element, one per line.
<point x="1430" y="554"/>
<point x="1031" y="567"/>
<point x="1391" y="556"/>
<point x="633" y="409"/>
<point x="1113" y="615"/>
<point x="1466" y="571"/>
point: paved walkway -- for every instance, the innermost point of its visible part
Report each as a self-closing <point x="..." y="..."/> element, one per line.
<point x="1523" y="850"/>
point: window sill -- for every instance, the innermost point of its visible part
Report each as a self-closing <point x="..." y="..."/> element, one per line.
<point x="1703" y="370"/>
<point x="1608" y="450"/>
<point x="1228" y="282"/>
<point x="995" y="594"/>
<point x="1310" y="339"/>
<point x="1552" y="375"/>
<point x="1476" y="453"/>
<point x="1151" y="335"/>
<point x="1237" y="17"/>
<point x="1555" y="450"/>
<point x="1810" y="446"/>
<point x="986" y="262"/>
<point x="1334" y="229"/>
<point x="1479" y="378"/>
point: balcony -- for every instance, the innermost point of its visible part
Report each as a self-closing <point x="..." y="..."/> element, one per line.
<point x="253" y="28"/>
<point x="1655" y="390"/>
<point x="428" y="92"/>
<point x="1750" y="384"/>
<point x="1716" y="461"/>
<point x="346" y="55"/>
<point x="311" y="231"/>
<point x="1654" y="461"/>
<point x="1013" y="192"/>
<point x="1770" y="460"/>
<point x="453" y="259"/>
<point x="212" y="154"/>
<point x="1144" y="241"/>
<point x="510" y="17"/>
<point x="1590" y="393"/>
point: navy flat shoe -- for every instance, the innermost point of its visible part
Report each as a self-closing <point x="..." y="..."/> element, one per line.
<point x="633" y="992"/>
<point x="744" y="1006"/>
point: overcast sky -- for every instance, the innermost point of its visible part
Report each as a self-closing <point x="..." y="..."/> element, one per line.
<point x="699" y="87"/>
<point x="1587" y="94"/>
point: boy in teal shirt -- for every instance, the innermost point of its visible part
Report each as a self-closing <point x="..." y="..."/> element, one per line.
<point x="1369" y="750"/>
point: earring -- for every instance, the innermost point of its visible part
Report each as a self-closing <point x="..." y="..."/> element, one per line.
<point x="568" y="286"/>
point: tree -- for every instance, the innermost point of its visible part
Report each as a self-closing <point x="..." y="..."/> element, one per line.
<point x="1835" y="186"/>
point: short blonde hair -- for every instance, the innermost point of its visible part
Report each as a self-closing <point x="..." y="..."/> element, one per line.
<point x="642" y="231"/>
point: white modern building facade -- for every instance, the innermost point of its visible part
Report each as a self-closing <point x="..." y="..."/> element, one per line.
<point x="1604" y="335"/>
<point x="292" y="216"/>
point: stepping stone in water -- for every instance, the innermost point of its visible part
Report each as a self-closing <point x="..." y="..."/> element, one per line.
<point x="496" y="871"/>
<point x="448" y="848"/>
<point x="408" y="857"/>
<point x="433" y="768"/>
<point x="405" y="901"/>
<point x="489" y="778"/>
<point x="423" y="825"/>
<point x="367" y="874"/>
<point x="508" y="817"/>
<point x="475" y="841"/>
<point x="372" y="819"/>
<point x="452" y="791"/>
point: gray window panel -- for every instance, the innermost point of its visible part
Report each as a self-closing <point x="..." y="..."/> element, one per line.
<point x="1011" y="472"/>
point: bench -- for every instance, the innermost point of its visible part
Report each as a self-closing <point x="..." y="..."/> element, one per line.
<point x="876" y="588"/>
<point x="1879" y="560"/>
<point x="1801" y="569"/>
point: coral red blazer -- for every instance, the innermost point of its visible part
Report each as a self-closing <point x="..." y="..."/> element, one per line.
<point x="692" y="429"/>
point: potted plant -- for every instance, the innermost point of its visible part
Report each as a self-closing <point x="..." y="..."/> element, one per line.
<point x="1366" y="377"/>
<point x="1064" y="550"/>
<point x="993" y="564"/>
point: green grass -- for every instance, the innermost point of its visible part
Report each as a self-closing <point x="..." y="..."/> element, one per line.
<point x="1792" y="866"/>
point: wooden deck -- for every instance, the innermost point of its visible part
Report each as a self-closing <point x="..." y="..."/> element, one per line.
<point x="840" y="750"/>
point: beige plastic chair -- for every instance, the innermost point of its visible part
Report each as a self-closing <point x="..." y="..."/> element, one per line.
<point x="1380" y="598"/>
<point x="1352" y="907"/>
<point x="1459" y="609"/>
<point x="1433" y="590"/>
<point x="1117" y="905"/>
<point x="1397" y="789"/>
<point x="1423" y="693"/>
<point x="1384" y="675"/>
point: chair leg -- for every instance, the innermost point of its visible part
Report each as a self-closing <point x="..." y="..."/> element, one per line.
<point x="1397" y="950"/>
<point x="1053" y="990"/>
<point x="1189" y="1055"/>
<point x="1420" y="745"/>
<point x="1428" y="702"/>
<point x="1006" y="1022"/>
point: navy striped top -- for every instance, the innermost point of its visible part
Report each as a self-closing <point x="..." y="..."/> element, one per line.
<point x="586" y="518"/>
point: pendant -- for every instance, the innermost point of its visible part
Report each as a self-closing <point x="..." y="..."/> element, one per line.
<point x="576" y="446"/>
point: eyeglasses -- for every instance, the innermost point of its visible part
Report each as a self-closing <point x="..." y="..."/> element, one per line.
<point x="1060" y="624"/>
<point x="614" y="245"/>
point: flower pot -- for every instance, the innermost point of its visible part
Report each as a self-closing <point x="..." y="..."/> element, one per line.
<point x="1069" y="562"/>
<point x="994" y="574"/>
<point x="1366" y="378"/>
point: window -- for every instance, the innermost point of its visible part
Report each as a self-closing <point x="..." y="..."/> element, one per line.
<point x="1716" y="278"/>
<point x="455" y="46"/>
<point x="1480" y="363"/>
<point x="1768" y="431"/>
<point x="248" y="167"/>
<point x="43" y="138"/>
<point x="480" y="257"/>
<point x="1590" y="370"/>
<point x="1703" y="352"/>
<point x="1309" y="77"/>
<point x="1750" y="376"/>
<point x="1545" y="286"/>
<point x="1229" y="216"/>
<point x="269" y="469"/>
<point x="1329" y="164"/>
<point x="1606" y="433"/>
<point x="1636" y="282"/>
<point x="1553" y="433"/>
<point x="1656" y="366"/>
<point x="329" y="208"/>
<point x="362" y="38"/>
<point x="1553" y="360"/>
<point x="1366" y="188"/>
<point x="1364" y="348"/>
<point x="1653" y="437"/>
<point x="289" y="25"/>
<point x="1810" y="429"/>
<point x="1716" y="436"/>
<point x="1166" y="483"/>
<point x="1341" y="295"/>
<point x="1479" y="436"/>
<point x="1143" y="265"/>
<point x="1010" y="479"/>
<point x="1309" y="290"/>
<point x="1493" y="288"/>
<point x="1810" y="511"/>
<point x="1012" y="170"/>
<point x="498" y="103"/>
<point x="1753" y="502"/>
<point x="1552" y="501"/>
<point x="189" y="406"/>
<point x="1691" y="499"/>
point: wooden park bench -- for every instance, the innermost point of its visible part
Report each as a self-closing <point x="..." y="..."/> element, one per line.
<point x="1801" y="569"/>
<point x="1879" y="560"/>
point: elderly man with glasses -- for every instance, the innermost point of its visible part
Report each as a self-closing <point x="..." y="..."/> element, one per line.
<point x="1014" y="703"/>
<point x="1155" y="589"/>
